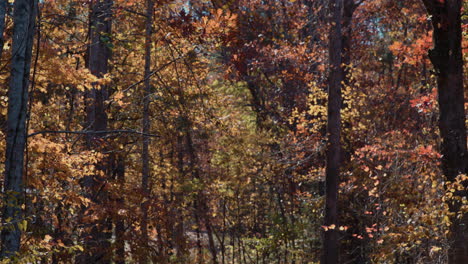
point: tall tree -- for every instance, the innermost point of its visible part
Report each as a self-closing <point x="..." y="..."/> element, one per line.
<point x="99" y="52"/>
<point x="120" y="223"/>
<point x="446" y="56"/>
<point x="145" y="173"/>
<point x="24" y="18"/>
<point x="3" y="12"/>
<point x="98" y="62"/>
<point x="335" y="80"/>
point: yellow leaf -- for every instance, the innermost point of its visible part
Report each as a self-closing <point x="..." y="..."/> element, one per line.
<point x="79" y="247"/>
<point x="435" y="249"/>
<point x="47" y="238"/>
<point x="23" y="225"/>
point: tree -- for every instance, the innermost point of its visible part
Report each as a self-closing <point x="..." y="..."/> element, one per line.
<point x="199" y="132"/>
<point x="3" y="12"/>
<point x="335" y="79"/>
<point x="99" y="51"/>
<point x="145" y="157"/>
<point x="446" y="56"/>
<point x="24" y="18"/>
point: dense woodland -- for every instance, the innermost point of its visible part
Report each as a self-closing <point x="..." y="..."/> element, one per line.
<point x="234" y="131"/>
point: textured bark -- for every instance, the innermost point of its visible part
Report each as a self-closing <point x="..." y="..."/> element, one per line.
<point x="23" y="34"/>
<point x="349" y="6"/>
<point x="97" y="238"/>
<point x="145" y="172"/>
<point x="98" y="63"/>
<point x="120" y="223"/>
<point x="3" y="11"/>
<point x="330" y="240"/>
<point x="446" y="56"/>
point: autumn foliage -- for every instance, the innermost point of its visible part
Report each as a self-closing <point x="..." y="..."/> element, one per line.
<point x="235" y="97"/>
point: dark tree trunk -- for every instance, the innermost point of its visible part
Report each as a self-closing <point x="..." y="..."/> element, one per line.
<point x="120" y="223"/>
<point x="330" y="240"/>
<point x="23" y="34"/>
<point x="446" y="56"/>
<point x="348" y="10"/>
<point x="145" y="172"/>
<point x="3" y="11"/>
<point x="98" y="63"/>
<point x="99" y="233"/>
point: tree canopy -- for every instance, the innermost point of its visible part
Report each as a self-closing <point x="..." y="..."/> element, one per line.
<point x="246" y="131"/>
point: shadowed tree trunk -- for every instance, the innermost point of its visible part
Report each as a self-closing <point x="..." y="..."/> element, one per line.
<point x="24" y="18"/>
<point x="349" y="6"/>
<point x="446" y="56"/>
<point x="3" y="11"/>
<point x="145" y="172"/>
<point x="98" y="64"/>
<point x="330" y="239"/>
<point x="120" y="223"/>
<point x="98" y="235"/>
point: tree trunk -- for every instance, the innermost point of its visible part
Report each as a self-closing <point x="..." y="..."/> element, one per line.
<point x="97" y="242"/>
<point x="3" y="11"/>
<point x="330" y="240"/>
<point x="120" y="223"/>
<point x="348" y="10"/>
<point x="23" y="34"/>
<point x="145" y="172"/>
<point x="446" y="56"/>
<point x="98" y="63"/>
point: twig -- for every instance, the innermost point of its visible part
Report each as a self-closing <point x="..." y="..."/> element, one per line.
<point x="152" y="73"/>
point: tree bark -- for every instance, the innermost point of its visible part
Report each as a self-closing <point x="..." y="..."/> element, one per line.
<point x="3" y="11"/>
<point x="98" y="63"/>
<point x="24" y="18"/>
<point x="120" y="223"/>
<point x="145" y="172"/>
<point x="97" y="241"/>
<point x="330" y="239"/>
<point x="446" y="56"/>
<point x="349" y="6"/>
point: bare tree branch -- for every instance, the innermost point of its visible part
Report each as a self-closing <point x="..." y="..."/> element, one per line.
<point x="88" y="132"/>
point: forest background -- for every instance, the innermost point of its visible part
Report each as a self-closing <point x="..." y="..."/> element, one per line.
<point x="233" y="131"/>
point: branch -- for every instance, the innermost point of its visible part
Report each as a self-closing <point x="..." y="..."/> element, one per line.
<point x="89" y="132"/>
<point x="153" y="73"/>
<point x="133" y="11"/>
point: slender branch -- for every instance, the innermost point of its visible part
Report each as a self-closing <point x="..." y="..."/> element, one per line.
<point x="153" y="73"/>
<point x="87" y="132"/>
<point x="133" y="11"/>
